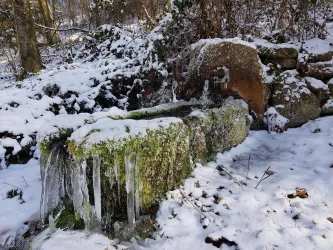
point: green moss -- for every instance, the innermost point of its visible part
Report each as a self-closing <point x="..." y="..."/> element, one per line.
<point x="68" y="219"/>
<point x="46" y="145"/>
<point x="162" y="158"/>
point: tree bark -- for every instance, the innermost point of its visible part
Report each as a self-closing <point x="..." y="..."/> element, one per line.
<point x="52" y="37"/>
<point x="26" y="36"/>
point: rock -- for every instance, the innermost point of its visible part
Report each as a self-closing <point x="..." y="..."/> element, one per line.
<point x="293" y="100"/>
<point x="218" y="129"/>
<point x="330" y="86"/>
<point x="217" y="242"/>
<point x="320" y="70"/>
<point x="319" y="50"/>
<point x="319" y="88"/>
<point x="274" y="121"/>
<point x="121" y="169"/>
<point x="246" y="73"/>
<point x="285" y="55"/>
<point x="327" y="109"/>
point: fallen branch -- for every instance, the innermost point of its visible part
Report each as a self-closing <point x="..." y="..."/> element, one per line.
<point x="61" y="30"/>
<point x="25" y="181"/>
<point x="262" y="178"/>
<point x="233" y="178"/>
<point x="193" y="205"/>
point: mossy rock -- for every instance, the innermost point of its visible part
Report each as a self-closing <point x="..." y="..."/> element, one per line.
<point x="217" y="130"/>
<point x="285" y="56"/>
<point x="68" y="219"/>
<point x="139" y="160"/>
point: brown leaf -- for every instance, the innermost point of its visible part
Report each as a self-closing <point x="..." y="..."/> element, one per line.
<point x="331" y="144"/>
<point x="302" y="193"/>
<point x="330" y="219"/>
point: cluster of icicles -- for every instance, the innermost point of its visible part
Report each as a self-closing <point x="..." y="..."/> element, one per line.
<point x="64" y="177"/>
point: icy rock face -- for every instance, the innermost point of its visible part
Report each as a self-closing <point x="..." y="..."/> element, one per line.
<point x="293" y="99"/>
<point x="119" y="170"/>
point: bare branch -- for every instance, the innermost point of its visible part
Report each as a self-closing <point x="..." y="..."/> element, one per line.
<point x="61" y="30"/>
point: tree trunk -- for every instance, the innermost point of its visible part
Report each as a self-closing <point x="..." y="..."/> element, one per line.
<point x="97" y="18"/>
<point x="52" y="37"/>
<point x="26" y="36"/>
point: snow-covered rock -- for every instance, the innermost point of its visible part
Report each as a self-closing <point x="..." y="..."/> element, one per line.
<point x="293" y="99"/>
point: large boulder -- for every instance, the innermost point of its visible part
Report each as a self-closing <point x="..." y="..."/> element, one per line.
<point x="118" y="169"/>
<point x="246" y="73"/>
<point x="293" y="99"/>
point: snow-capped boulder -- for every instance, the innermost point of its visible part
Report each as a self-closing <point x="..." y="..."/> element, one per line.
<point x="293" y="99"/>
<point x="320" y="70"/>
<point x="285" y="55"/>
<point x="245" y="69"/>
<point x="319" y="88"/>
<point x="121" y="168"/>
<point x="319" y="50"/>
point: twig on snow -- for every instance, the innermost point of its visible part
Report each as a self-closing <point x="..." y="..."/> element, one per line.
<point x="248" y="168"/>
<point x="25" y="181"/>
<point x="265" y="173"/>
<point x="233" y="178"/>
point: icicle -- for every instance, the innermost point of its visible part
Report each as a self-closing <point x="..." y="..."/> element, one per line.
<point x="137" y="190"/>
<point x="97" y="185"/>
<point x="205" y="91"/>
<point x="52" y="183"/>
<point x="116" y="173"/>
<point x="129" y="168"/>
<point x="44" y="199"/>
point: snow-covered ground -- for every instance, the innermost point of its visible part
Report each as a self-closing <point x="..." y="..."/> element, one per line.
<point x="15" y="212"/>
<point x="212" y="204"/>
<point x="262" y="218"/>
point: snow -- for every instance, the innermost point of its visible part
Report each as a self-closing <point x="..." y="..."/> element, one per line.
<point x="318" y="46"/>
<point x="274" y="120"/>
<point x="316" y="84"/>
<point x="14" y="213"/>
<point x="65" y="240"/>
<point x="208" y="42"/>
<point x="259" y="218"/>
<point x="328" y="104"/>
<point x="108" y="129"/>
<point x="262" y="218"/>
